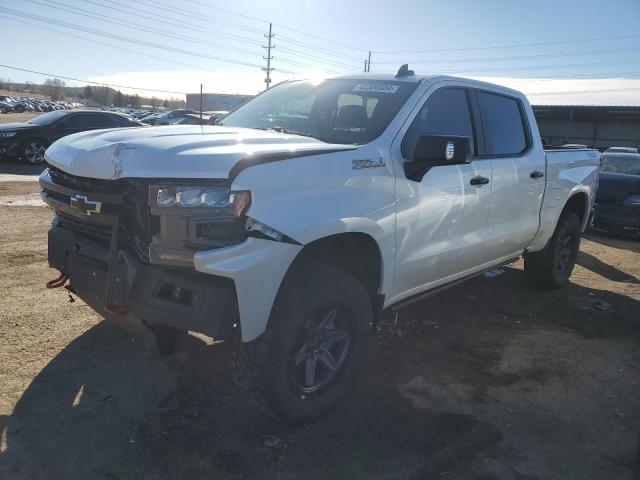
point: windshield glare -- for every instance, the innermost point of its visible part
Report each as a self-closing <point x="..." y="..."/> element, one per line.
<point x="47" y="118"/>
<point x="334" y="111"/>
<point x="626" y="164"/>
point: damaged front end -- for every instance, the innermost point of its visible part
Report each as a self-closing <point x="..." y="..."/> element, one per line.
<point x="128" y="247"/>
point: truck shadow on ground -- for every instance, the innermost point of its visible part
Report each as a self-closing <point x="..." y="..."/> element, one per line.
<point x="107" y="408"/>
<point x="19" y="168"/>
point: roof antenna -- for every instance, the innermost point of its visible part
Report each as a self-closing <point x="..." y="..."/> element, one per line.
<point x="404" y="71"/>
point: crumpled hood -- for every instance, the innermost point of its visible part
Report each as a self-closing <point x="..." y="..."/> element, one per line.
<point x="174" y="151"/>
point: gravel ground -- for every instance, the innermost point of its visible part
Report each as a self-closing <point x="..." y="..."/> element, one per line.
<point x="489" y="379"/>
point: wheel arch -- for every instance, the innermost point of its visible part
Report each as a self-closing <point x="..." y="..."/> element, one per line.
<point x="578" y="203"/>
<point x="356" y="252"/>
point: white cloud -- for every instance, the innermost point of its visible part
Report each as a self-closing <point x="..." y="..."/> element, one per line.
<point x="608" y="91"/>
<point x="601" y="91"/>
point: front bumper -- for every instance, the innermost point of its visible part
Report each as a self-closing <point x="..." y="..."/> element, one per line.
<point x="9" y="149"/>
<point x="617" y="218"/>
<point x="178" y="297"/>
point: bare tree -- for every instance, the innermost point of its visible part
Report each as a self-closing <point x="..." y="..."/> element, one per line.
<point x="54" y="88"/>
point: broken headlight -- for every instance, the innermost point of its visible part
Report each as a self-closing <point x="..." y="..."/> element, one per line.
<point x="201" y="199"/>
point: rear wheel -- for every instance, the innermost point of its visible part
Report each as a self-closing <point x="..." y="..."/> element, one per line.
<point x="34" y="151"/>
<point x="313" y="348"/>
<point x="552" y="267"/>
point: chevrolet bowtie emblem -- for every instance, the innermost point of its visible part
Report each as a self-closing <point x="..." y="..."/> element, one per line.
<point x="84" y="205"/>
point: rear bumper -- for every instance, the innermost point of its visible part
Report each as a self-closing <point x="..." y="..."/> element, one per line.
<point x="617" y="218"/>
<point x="179" y="297"/>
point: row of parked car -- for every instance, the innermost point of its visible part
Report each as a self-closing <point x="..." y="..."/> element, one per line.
<point x="10" y="104"/>
<point x="180" y="116"/>
<point x="28" y="140"/>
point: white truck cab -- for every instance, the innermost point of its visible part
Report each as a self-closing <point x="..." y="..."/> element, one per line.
<point x="293" y="223"/>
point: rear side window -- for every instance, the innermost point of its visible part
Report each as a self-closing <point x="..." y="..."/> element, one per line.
<point x="503" y="124"/>
<point x="446" y="112"/>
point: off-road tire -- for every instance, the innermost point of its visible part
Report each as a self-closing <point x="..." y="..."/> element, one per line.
<point x="552" y="267"/>
<point x="262" y="365"/>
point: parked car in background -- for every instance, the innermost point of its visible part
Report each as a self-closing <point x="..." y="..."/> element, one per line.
<point x="194" y="119"/>
<point x="149" y="119"/>
<point x="214" y="117"/>
<point x="5" y="107"/>
<point x="28" y="140"/>
<point x="173" y="116"/>
<point x="617" y="205"/>
<point x="621" y="150"/>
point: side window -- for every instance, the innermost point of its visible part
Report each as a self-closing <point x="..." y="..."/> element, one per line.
<point x="446" y="112"/>
<point x="104" y="121"/>
<point x="77" y="120"/>
<point x="504" y="125"/>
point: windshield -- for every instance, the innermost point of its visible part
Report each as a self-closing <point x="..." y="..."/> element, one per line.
<point x="47" y="118"/>
<point x="626" y="164"/>
<point x="335" y="111"/>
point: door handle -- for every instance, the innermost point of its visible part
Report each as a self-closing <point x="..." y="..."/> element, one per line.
<point x="536" y="174"/>
<point x="479" y="181"/>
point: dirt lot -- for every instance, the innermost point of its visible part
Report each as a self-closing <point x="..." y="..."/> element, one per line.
<point x="17" y="117"/>
<point x="489" y="380"/>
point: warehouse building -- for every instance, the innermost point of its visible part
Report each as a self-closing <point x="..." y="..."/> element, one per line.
<point x="215" y="101"/>
<point x="596" y="126"/>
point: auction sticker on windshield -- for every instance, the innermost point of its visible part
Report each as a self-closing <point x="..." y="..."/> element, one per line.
<point x="376" y="87"/>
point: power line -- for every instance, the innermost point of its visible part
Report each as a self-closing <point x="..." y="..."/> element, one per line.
<point x="50" y="21"/>
<point x="89" y="81"/>
<point x="569" y="92"/>
<point x="155" y="16"/>
<point x="137" y="26"/>
<point x="199" y="17"/>
<point x="202" y="17"/>
<point x="536" y="67"/>
<point x="108" y="44"/>
<point x="346" y="45"/>
<point x="622" y="75"/>
<point x="188" y="26"/>
<point x="520" y="45"/>
<point x="520" y="57"/>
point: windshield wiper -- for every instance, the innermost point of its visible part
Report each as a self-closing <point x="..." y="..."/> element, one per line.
<point x="286" y="130"/>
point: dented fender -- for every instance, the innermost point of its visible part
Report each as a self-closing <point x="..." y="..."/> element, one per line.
<point x="257" y="267"/>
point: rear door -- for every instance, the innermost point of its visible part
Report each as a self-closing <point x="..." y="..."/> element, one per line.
<point x="441" y="219"/>
<point x="518" y="168"/>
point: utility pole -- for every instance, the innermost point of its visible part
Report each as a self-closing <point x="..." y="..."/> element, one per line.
<point x="365" y="65"/>
<point x="268" y="58"/>
<point x="200" y="101"/>
<point x="369" y="63"/>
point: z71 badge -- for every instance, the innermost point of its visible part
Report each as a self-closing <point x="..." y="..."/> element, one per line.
<point x="368" y="163"/>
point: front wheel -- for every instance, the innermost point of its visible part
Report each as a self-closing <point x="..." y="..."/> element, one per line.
<point x="34" y="151"/>
<point x="313" y="348"/>
<point x="552" y="267"/>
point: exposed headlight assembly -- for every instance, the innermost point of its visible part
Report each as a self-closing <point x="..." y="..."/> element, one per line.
<point x="201" y="199"/>
<point x="632" y="201"/>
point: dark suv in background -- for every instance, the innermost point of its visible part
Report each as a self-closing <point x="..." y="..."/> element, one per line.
<point x="28" y="140"/>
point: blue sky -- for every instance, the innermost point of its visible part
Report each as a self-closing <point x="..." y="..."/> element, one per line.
<point x="320" y="37"/>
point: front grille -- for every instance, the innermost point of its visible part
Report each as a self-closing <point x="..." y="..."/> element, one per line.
<point x="84" y="184"/>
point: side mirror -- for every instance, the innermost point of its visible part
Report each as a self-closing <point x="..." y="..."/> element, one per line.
<point x="442" y="150"/>
<point x="437" y="150"/>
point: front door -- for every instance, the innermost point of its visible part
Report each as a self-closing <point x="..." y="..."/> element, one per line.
<point x="441" y="219"/>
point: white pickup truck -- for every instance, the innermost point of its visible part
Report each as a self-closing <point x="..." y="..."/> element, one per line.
<point x="293" y="223"/>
